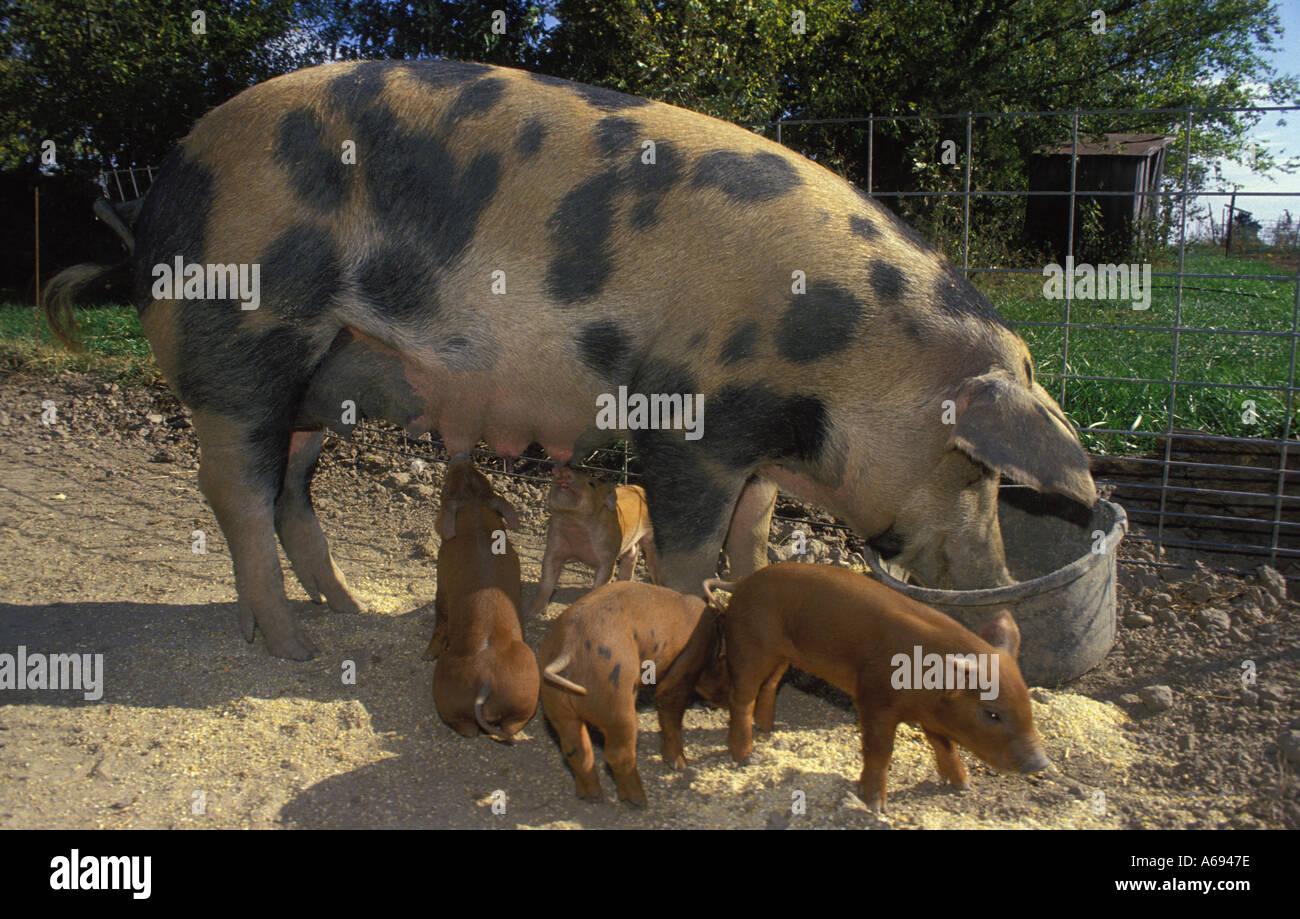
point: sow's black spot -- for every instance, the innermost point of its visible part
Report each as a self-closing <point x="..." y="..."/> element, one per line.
<point x="862" y="226"/>
<point x="759" y="176"/>
<point x="887" y="281"/>
<point x="580" y="229"/>
<point x="607" y="99"/>
<point x="958" y="298"/>
<point x="478" y="98"/>
<point x="530" y="138"/>
<point x="395" y="279"/>
<point x="651" y="181"/>
<point x="818" y="323"/>
<point x="605" y="347"/>
<point x="615" y="133"/>
<point x="687" y="505"/>
<point x="613" y="675"/>
<point x="740" y="343"/>
<point x="746" y="424"/>
<point x="173" y="220"/>
<point x="359" y="89"/>
<point x="317" y="171"/>
<point x="603" y="651"/>
<point x="415" y="181"/>
<point x="300" y="272"/>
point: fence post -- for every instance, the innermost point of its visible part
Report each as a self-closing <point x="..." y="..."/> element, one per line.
<point x="1286" y="427"/>
<point x="871" y="151"/>
<point x="1178" y="324"/>
<point x="37" y="205"/>
<point x="965" y="233"/>
<point x="1069" y="255"/>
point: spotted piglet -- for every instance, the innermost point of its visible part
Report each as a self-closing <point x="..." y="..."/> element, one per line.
<point x="599" y="524"/>
<point x="606" y="647"/>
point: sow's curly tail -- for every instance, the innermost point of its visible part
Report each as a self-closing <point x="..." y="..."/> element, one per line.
<point x="62" y="289"/>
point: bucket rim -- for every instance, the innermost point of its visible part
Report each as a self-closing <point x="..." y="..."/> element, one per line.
<point x="990" y="596"/>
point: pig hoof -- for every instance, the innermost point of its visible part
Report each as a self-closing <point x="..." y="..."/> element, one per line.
<point x="344" y="603"/>
<point x="638" y="801"/>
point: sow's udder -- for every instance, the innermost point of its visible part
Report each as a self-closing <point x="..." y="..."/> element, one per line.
<point x="361" y="377"/>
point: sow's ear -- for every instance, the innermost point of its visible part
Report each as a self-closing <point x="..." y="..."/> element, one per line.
<point x="1023" y="433"/>
<point x="1002" y="633"/>
<point x="611" y="497"/>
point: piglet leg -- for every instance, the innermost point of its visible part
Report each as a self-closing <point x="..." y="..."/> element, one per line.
<point x="947" y="760"/>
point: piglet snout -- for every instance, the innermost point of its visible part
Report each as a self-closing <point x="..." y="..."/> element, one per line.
<point x="1036" y="761"/>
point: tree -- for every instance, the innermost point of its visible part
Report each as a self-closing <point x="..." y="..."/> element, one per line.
<point x="116" y="83"/>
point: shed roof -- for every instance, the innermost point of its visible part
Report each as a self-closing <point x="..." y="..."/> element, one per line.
<point x="1111" y="145"/>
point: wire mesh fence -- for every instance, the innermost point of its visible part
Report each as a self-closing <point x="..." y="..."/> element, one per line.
<point x="1181" y="377"/>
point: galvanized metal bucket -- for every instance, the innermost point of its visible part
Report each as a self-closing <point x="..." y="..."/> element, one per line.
<point x="1065" y="601"/>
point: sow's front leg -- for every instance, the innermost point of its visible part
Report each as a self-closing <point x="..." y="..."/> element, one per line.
<point x="691" y="502"/>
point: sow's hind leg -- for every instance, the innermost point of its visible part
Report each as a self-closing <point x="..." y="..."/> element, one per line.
<point x="241" y="466"/>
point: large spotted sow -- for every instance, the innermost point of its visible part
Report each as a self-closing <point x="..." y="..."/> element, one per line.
<point x="667" y="268"/>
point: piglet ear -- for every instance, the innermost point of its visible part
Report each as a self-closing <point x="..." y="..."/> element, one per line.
<point x="507" y="512"/>
<point x="446" y="523"/>
<point x="1002" y="633"/>
<point x="611" y="498"/>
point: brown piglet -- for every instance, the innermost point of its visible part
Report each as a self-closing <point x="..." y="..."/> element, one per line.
<point x="599" y="524"/>
<point x="900" y="660"/>
<point x="486" y="677"/>
<point x="602" y="650"/>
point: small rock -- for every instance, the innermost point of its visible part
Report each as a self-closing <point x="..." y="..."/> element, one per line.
<point x="4" y="419"/>
<point x="777" y="821"/>
<point x="1289" y="744"/>
<point x="1137" y="621"/>
<point x="374" y="462"/>
<point x="165" y="455"/>
<point x="1161" y="599"/>
<point x="1238" y="635"/>
<point x="1249" y="612"/>
<point x="1176" y="575"/>
<point x="1214" y="619"/>
<point x="1273" y="581"/>
<point x="1130" y="699"/>
<point x="397" y="481"/>
<point x="1196" y="592"/>
<point x="1137" y="578"/>
<point x="1165" y="616"/>
<point x="1040" y="695"/>
<point x="1158" y="698"/>
<point x="421" y="491"/>
<point x="154" y="418"/>
<point x="1267" y="705"/>
<point x="1248" y="697"/>
<point x="1186" y="742"/>
<point x="1271" y="692"/>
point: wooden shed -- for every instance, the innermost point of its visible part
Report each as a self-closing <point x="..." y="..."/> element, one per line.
<point x="1128" y="163"/>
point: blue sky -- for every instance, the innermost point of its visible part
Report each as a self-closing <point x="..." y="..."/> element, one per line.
<point x="1284" y="140"/>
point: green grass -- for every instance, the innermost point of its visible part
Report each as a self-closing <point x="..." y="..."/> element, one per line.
<point x="116" y="348"/>
<point x="1217" y="304"/>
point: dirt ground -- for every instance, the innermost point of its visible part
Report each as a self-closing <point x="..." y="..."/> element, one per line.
<point x="198" y="729"/>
